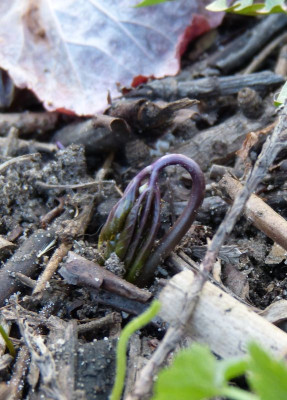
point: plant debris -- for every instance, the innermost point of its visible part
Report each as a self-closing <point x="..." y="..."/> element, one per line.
<point x="64" y="299"/>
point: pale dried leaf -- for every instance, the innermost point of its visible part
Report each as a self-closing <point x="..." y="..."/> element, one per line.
<point x="72" y="52"/>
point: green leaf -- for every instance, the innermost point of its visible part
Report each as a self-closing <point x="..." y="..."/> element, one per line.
<point x="272" y="6"/>
<point x="234" y="367"/>
<point x="247" y="7"/>
<point x="282" y="95"/>
<point x="218" y="5"/>
<point x="268" y="376"/>
<point x="146" y="3"/>
<point x="192" y="376"/>
<point x="240" y="5"/>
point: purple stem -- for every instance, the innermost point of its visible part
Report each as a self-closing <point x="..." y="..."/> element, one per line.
<point x="183" y="223"/>
<point x="137" y="265"/>
<point x="139" y="231"/>
<point x="115" y="220"/>
<point x="124" y="241"/>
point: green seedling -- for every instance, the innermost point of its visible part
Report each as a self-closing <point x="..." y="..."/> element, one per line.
<point x="132" y="225"/>
<point x="129" y="329"/>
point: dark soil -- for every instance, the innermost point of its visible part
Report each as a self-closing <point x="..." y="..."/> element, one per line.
<point x="65" y="173"/>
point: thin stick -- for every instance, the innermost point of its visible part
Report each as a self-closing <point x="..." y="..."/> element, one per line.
<point x="9" y="146"/>
<point x="73" y="229"/>
<point x="100" y="323"/>
<point x="255" y="64"/>
<point x="75" y="186"/>
<point x="15" y="160"/>
<point x="102" y="172"/>
<point x="176" y="332"/>
<point x="28" y="122"/>
<point x="259" y="213"/>
<point x="281" y="64"/>
<point x="17" y="382"/>
<point x="52" y="266"/>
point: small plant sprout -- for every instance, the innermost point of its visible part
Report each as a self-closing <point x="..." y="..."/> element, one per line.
<point x="121" y="358"/>
<point x="8" y="342"/>
<point x="132" y="225"/>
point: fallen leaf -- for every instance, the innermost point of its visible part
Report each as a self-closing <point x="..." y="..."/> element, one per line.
<point x="72" y="53"/>
<point x="236" y="281"/>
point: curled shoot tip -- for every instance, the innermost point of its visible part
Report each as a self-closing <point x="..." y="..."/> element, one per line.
<point x="133" y="223"/>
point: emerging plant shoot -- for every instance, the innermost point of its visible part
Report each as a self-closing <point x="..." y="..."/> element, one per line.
<point x="132" y="225"/>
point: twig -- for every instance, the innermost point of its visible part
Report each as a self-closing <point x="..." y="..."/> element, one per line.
<point x="100" y="323"/>
<point x="15" y="233"/>
<point x="176" y="331"/>
<point x="220" y="320"/>
<point x="255" y="64"/>
<point x="4" y="391"/>
<point x="73" y="229"/>
<point x="118" y="302"/>
<point x="15" y="160"/>
<point x="79" y="271"/>
<point x="5" y="244"/>
<point x="281" y="64"/>
<point x="11" y="137"/>
<point x="135" y="362"/>
<point x="52" y="266"/>
<point x="100" y="134"/>
<point x="241" y="50"/>
<point x="47" y="218"/>
<point x="28" y="122"/>
<point x="17" y="382"/>
<point x="30" y="144"/>
<point x="43" y="359"/>
<point x="102" y="172"/>
<point x="169" y="89"/>
<point x="25" y="259"/>
<point x="259" y="213"/>
<point x="31" y="283"/>
<point x="75" y="186"/>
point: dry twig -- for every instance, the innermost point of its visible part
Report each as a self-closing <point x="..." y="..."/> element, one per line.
<point x="79" y="271"/>
<point x="25" y="259"/>
<point x="28" y="122"/>
<point x="73" y="229"/>
<point x="259" y="213"/>
<point x="16" y="383"/>
<point x="177" y="330"/>
<point x="258" y="60"/>
<point x="52" y="266"/>
<point x="16" y="160"/>
<point x="100" y="323"/>
<point x="219" y="320"/>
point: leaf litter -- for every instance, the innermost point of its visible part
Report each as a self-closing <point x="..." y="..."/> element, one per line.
<point x="72" y="53"/>
<point x="220" y="123"/>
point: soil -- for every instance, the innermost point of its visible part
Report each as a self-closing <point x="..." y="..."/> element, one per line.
<point x="65" y="189"/>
